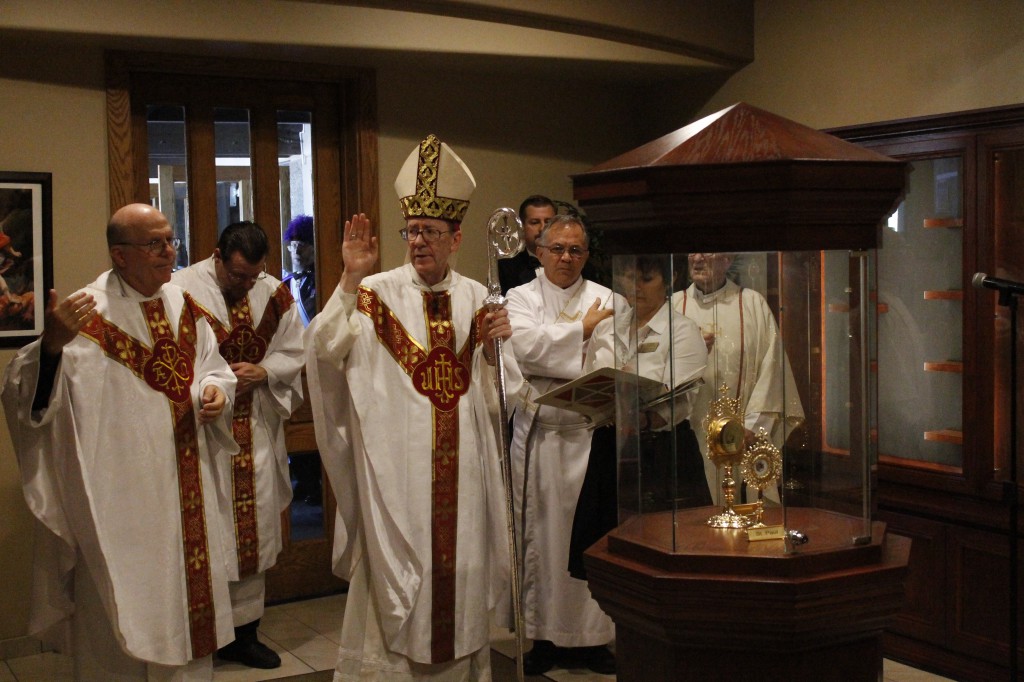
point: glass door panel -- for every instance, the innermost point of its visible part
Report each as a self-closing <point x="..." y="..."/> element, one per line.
<point x="920" y="337"/>
<point x="307" y="508"/>
<point x="168" y="169"/>
<point x="295" y="163"/>
<point x="232" y="147"/>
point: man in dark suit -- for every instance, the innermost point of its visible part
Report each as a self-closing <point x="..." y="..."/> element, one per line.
<point x="534" y="212"/>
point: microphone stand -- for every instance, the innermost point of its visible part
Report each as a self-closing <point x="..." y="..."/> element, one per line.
<point x="1008" y="300"/>
<point x="1008" y="292"/>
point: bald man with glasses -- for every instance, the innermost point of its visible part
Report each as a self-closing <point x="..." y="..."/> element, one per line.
<point x="259" y="329"/>
<point x="118" y="414"/>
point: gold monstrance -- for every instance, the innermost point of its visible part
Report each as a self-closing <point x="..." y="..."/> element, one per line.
<point x="726" y="438"/>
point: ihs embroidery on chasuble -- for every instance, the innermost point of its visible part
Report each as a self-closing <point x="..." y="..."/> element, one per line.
<point x="442" y="375"/>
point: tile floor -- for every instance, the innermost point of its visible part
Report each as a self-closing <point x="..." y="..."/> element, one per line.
<point x="305" y="634"/>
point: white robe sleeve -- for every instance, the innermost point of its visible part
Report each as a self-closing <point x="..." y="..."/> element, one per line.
<point x="774" y="394"/>
<point x="485" y="375"/>
<point x="547" y="350"/>
<point x="601" y="348"/>
<point x="337" y="331"/>
<point x="212" y="370"/>
<point x="283" y="363"/>
<point x="36" y="439"/>
<point x="689" y="360"/>
<point x="328" y="396"/>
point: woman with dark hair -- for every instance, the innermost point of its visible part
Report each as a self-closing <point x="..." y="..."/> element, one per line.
<point x="661" y="466"/>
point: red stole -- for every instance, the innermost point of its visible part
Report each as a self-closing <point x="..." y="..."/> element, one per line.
<point x="242" y="343"/>
<point x="441" y="375"/>
<point x="168" y="368"/>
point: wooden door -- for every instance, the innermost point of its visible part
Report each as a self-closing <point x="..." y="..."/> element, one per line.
<point x="210" y="142"/>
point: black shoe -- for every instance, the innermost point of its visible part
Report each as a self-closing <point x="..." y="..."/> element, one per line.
<point x="250" y="653"/>
<point x="597" y="659"/>
<point x="541" y="658"/>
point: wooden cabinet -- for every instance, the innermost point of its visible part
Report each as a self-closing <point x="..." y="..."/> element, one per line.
<point x="943" y="382"/>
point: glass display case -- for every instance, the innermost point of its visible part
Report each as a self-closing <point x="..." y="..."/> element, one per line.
<point x="744" y="413"/>
<point x="757" y="238"/>
<point x="744" y="251"/>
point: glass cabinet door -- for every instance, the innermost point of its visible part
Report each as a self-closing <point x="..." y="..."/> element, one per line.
<point x="920" y="321"/>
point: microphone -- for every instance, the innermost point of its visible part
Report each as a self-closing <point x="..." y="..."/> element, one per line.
<point x="1003" y="286"/>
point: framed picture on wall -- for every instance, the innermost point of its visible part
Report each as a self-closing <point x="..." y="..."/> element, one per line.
<point x="26" y="273"/>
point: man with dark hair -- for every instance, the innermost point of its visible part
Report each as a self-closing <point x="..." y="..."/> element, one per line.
<point x="533" y="212"/>
<point x="118" y="414"/>
<point x="302" y="282"/>
<point x="257" y="325"/>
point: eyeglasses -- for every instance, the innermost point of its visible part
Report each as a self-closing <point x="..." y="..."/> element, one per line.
<point x="241" y="278"/>
<point x="296" y="245"/>
<point x="429" y="234"/>
<point x="155" y="247"/>
<point x="559" y="250"/>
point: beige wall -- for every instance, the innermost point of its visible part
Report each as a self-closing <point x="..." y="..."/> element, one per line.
<point x="54" y="122"/>
<point x="843" y="62"/>
<point x="518" y="135"/>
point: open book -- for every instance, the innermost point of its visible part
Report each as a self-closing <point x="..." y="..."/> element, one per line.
<point x="593" y="395"/>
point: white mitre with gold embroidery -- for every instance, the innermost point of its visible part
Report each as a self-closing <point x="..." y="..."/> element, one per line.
<point x="434" y="183"/>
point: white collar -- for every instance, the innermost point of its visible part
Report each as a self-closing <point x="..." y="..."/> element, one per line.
<point x="418" y="282"/>
<point x="117" y="286"/>
<point x="722" y="292"/>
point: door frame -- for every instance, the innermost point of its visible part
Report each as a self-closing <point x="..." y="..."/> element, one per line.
<point x="345" y="177"/>
<point x="353" y="159"/>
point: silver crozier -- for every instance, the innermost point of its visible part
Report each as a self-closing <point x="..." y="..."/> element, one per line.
<point x="505" y="240"/>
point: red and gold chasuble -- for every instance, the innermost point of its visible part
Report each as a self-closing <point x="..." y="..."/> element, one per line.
<point x="168" y="367"/>
<point x="441" y="375"/>
<point x="242" y="343"/>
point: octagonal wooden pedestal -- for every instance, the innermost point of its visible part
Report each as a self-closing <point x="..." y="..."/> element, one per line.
<point x="716" y="607"/>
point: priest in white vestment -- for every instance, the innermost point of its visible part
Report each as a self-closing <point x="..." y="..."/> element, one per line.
<point x="553" y="318"/>
<point x="745" y="355"/>
<point x="120" y="415"/>
<point x="259" y="331"/>
<point x="405" y="408"/>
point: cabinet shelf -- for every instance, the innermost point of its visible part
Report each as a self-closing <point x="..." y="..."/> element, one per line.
<point x="954" y="366"/>
<point x="932" y="223"/>
<point x="944" y="295"/>
<point x="954" y="436"/>
<point x="880" y="308"/>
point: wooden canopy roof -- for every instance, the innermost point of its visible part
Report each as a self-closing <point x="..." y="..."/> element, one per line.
<point x="741" y="179"/>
